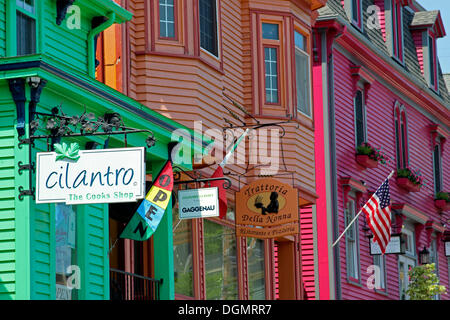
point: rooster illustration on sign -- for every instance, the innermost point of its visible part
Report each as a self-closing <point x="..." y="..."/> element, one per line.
<point x="271" y="208"/>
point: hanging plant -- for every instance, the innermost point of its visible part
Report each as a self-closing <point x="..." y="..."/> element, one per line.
<point x="424" y="283"/>
<point x="415" y="176"/>
<point x="369" y="156"/>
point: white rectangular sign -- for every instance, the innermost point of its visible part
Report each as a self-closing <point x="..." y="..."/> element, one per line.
<point x="447" y="248"/>
<point x="198" y="203"/>
<point x="394" y="246"/>
<point x="97" y="176"/>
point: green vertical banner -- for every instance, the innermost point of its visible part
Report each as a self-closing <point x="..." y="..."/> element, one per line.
<point x="150" y="212"/>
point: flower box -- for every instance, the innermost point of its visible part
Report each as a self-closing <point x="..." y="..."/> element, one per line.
<point x="441" y="204"/>
<point x="365" y="161"/>
<point x="408" y="185"/>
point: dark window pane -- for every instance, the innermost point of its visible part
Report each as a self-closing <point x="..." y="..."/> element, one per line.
<point x="355" y="11"/>
<point x="404" y="144"/>
<point x="359" y="113"/>
<point x="270" y="31"/>
<point x="26" y="34"/>
<point x="431" y="50"/>
<point x="208" y="26"/>
<point x="397" y="140"/>
<point x="437" y="168"/>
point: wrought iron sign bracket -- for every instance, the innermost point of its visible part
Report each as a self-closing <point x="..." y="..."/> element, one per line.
<point x="61" y="126"/>
<point x="177" y="179"/>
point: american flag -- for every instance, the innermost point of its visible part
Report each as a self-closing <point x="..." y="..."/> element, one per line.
<point x="378" y="215"/>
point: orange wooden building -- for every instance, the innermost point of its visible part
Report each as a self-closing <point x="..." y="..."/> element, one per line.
<point x="189" y="60"/>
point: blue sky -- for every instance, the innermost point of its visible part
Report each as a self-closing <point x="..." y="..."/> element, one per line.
<point x="443" y="44"/>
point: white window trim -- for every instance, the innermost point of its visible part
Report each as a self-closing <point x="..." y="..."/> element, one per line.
<point x="217" y="33"/>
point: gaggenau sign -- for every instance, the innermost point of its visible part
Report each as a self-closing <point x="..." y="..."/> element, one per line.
<point x="98" y="176"/>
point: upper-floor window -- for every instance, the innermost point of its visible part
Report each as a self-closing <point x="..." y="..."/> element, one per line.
<point x="397" y="29"/>
<point x="209" y="26"/>
<point x="401" y="136"/>
<point x="437" y="168"/>
<point x="26" y="27"/>
<point x="270" y="31"/>
<point x="432" y="62"/>
<point x="356" y="12"/>
<point x="360" y="118"/>
<point x="167" y="18"/>
<point x="302" y="75"/>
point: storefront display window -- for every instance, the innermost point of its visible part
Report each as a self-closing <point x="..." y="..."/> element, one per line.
<point x="66" y="252"/>
<point x="182" y="256"/>
<point x="220" y="262"/>
<point x="256" y="277"/>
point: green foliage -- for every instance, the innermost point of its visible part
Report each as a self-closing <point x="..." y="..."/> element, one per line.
<point x="375" y="154"/>
<point x="415" y="176"/>
<point x="424" y="283"/>
<point x="442" y="196"/>
<point x="63" y="151"/>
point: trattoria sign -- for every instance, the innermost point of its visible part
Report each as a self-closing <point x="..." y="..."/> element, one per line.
<point x="267" y="208"/>
<point x="90" y="176"/>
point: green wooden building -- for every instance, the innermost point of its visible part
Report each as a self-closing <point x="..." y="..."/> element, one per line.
<point x="47" y="60"/>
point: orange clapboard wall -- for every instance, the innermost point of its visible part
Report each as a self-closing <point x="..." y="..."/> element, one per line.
<point x="184" y="82"/>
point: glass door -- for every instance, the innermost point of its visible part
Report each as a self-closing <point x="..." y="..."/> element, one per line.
<point x="404" y="264"/>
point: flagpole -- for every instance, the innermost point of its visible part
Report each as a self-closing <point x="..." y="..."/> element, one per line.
<point x="228" y="155"/>
<point x="356" y="217"/>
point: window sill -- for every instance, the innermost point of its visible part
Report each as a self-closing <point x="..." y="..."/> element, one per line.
<point x="354" y="282"/>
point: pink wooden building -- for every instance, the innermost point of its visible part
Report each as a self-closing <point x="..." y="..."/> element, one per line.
<point x="376" y="79"/>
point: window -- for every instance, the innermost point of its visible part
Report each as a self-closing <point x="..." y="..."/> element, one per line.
<point x="407" y="260"/>
<point x="397" y="29"/>
<point x="401" y="136"/>
<point x="434" y="258"/>
<point x="221" y="275"/>
<point x="66" y="250"/>
<point x="360" y="118"/>
<point x="208" y="26"/>
<point x="26" y="27"/>
<point x="351" y="241"/>
<point x="182" y="256"/>
<point x="356" y="9"/>
<point x="302" y="75"/>
<point x="167" y="18"/>
<point x="256" y="276"/>
<point x="271" y="74"/>
<point x="437" y="168"/>
<point x="432" y="62"/>
<point x="380" y="262"/>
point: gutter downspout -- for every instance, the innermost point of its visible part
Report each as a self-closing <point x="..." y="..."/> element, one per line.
<point x="332" y="131"/>
<point x="91" y="45"/>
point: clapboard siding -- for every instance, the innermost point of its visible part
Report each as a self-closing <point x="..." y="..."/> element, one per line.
<point x="60" y="42"/>
<point x="380" y="133"/>
<point x="307" y="247"/>
<point x="2" y="28"/>
<point x="7" y="212"/>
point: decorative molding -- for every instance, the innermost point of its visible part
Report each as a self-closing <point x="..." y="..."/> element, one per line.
<point x="61" y="10"/>
<point x="409" y="211"/>
<point x="351" y="184"/>
<point x="360" y="76"/>
<point x="438" y="131"/>
<point x="37" y="85"/>
<point x="17" y="88"/>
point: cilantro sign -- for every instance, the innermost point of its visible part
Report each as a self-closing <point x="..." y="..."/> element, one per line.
<point x="77" y="176"/>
